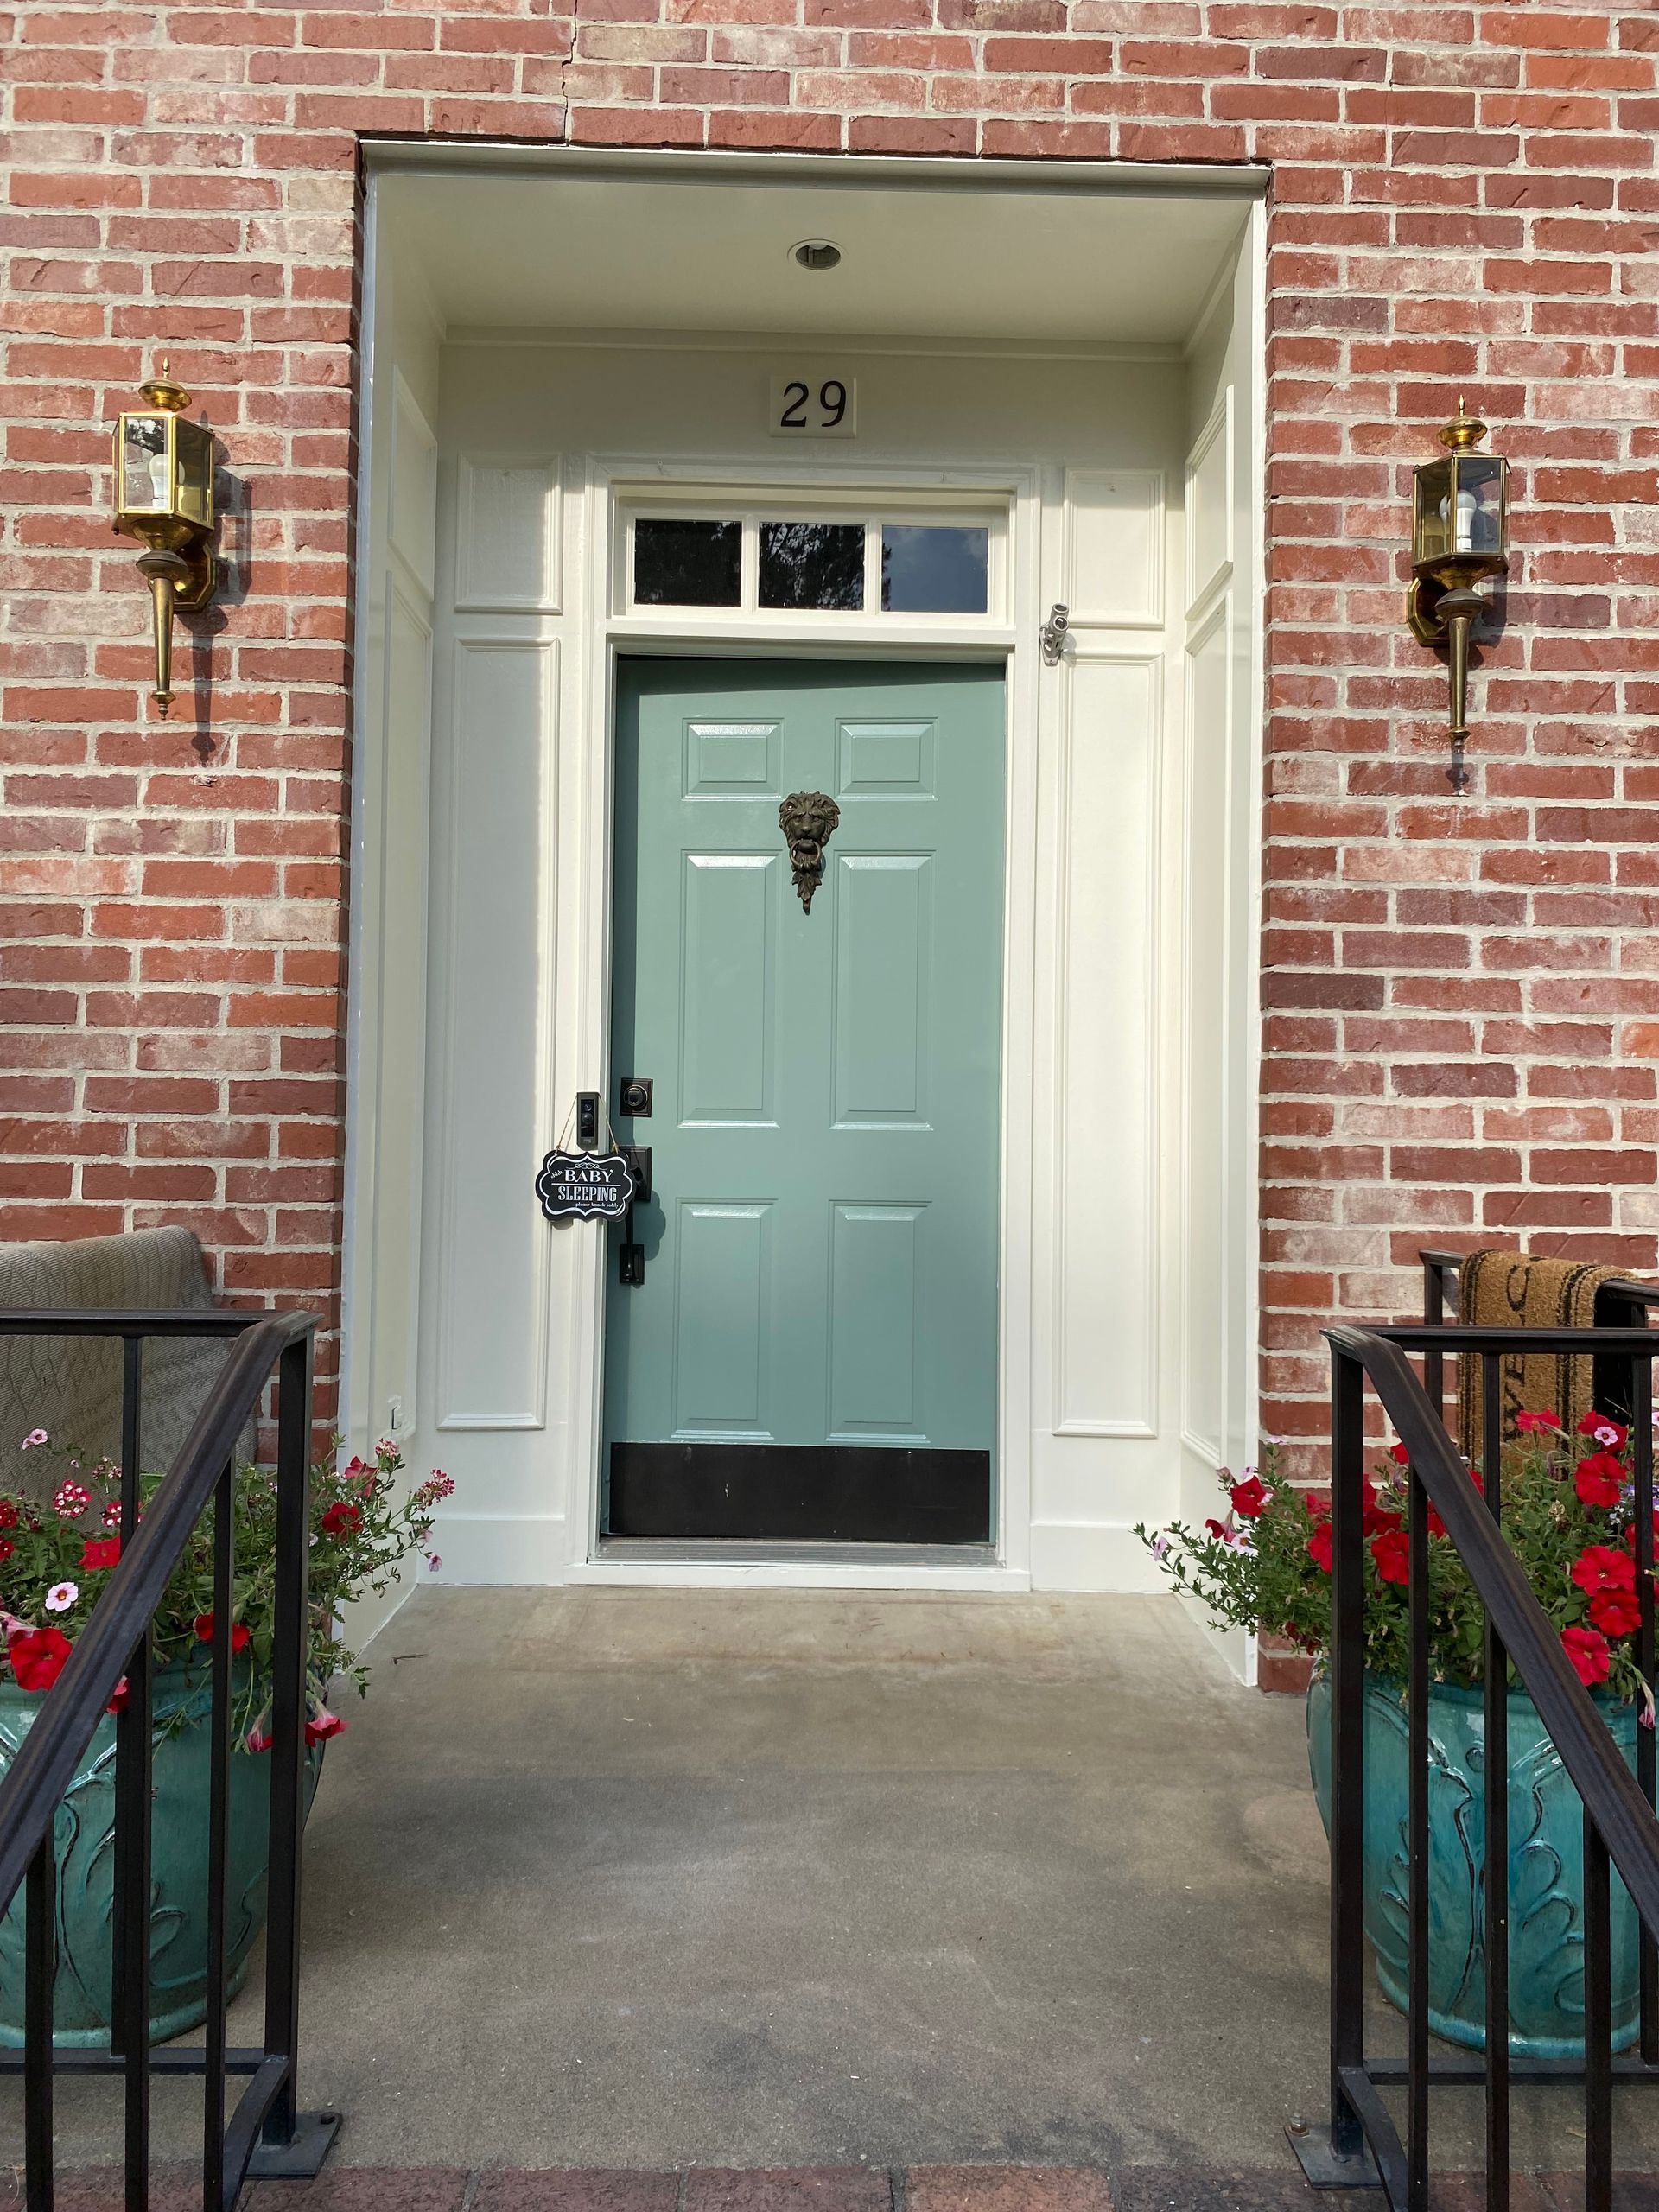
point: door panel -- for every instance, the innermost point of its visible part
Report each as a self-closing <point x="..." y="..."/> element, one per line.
<point x="728" y="989"/>
<point x="881" y="1003"/>
<point x="813" y="1349"/>
<point x="720" y="1305"/>
<point x="876" y="1319"/>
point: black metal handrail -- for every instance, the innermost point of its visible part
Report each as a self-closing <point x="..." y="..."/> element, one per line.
<point x="265" y="2133"/>
<point x="1620" y="1822"/>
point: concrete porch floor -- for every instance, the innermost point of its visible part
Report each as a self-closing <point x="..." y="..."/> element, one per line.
<point x="662" y="1880"/>
<point x="658" y="1877"/>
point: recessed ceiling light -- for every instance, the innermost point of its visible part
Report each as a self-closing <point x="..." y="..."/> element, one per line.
<point x="816" y="253"/>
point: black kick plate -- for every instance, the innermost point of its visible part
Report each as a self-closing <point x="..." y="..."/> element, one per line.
<point x="800" y="1493"/>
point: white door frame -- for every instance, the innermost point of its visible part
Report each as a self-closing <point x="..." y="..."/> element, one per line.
<point x="1051" y="1530"/>
<point x="1008" y="642"/>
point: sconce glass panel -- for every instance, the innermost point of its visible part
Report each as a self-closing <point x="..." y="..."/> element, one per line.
<point x="1476" y="503"/>
<point x="194" y="445"/>
<point x="144" y="485"/>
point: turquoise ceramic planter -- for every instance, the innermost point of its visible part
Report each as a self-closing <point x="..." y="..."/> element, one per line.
<point x="1546" y="1868"/>
<point x="85" y="1853"/>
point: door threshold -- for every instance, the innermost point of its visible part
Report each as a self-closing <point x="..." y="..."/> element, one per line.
<point x="737" y="1552"/>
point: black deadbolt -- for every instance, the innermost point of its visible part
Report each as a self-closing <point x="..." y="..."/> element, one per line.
<point x="633" y="1097"/>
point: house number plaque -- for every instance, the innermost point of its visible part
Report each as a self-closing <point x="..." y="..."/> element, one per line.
<point x="584" y="1186"/>
<point x="814" y="406"/>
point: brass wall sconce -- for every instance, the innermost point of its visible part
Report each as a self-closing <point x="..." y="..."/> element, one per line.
<point x="1460" y="533"/>
<point x="164" y="495"/>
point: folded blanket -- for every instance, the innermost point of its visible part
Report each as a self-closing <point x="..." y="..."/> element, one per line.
<point x="1513" y="1290"/>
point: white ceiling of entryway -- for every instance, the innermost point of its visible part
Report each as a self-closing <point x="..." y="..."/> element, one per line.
<point x="710" y="251"/>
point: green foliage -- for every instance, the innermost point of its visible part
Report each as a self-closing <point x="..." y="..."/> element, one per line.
<point x="56" y="1559"/>
<point x="1566" y="1515"/>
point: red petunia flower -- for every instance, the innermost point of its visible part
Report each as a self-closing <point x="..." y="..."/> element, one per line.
<point x="1599" y="1479"/>
<point x="100" y="1551"/>
<point x="342" y="1519"/>
<point x="1318" y="1547"/>
<point x="1616" y="1612"/>
<point x="1537" y="1424"/>
<point x="37" y="1656"/>
<point x="322" y="1724"/>
<point x="1249" y="1497"/>
<point x="1391" y="1550"/>
<point x="1598" y="1566"/>
<point x="241" y="1635"/>
<point x="119" y="1697"/>
<point x="1399" y="1455"/>
<point x="1588" y="1649"/>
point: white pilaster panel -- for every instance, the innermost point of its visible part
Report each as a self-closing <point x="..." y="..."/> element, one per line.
<point x="1205" y="1022"/>
<point x="1113" y="574"/>
<point x="508" y="536"/>
<point x="411" y="524"/>
<point x="492" y="1282"/>
<point x="1106" y="1288"/>
<point x="1210" y="501"/>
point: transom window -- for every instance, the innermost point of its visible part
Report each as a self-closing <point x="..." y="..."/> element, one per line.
<point x="824" y="564"/>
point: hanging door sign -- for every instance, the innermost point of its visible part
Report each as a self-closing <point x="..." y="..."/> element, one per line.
<point x="584" y="1186"/>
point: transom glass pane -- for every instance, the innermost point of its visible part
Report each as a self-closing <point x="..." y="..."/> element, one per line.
<point x="812" y="564"/>
<point x="934" y="568"/>
<point x="682" y="563"/>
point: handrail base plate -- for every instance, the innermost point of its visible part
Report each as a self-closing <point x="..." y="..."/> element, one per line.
<point x="1325" y="2167"/>
<point x="300" y="2158"/>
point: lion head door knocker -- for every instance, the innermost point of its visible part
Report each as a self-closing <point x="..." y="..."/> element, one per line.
<point x="808" y="820"/>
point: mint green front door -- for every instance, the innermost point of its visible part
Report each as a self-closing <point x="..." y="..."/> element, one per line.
<point x="812" y="1352"/>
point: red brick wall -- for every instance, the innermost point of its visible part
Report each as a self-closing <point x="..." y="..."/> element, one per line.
<point x="1463" y="997"/>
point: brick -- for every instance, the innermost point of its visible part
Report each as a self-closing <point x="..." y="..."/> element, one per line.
<point x="1471" y="206"/>
<point x="809" y="2189"/>
<point x="570" y="2191"/>
<point x="1006" y="2189"/>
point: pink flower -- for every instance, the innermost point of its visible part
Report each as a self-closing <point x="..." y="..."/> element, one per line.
<point x="1604" y="1431"/>
<point x="61" y="1596"/>
<point x="258" y="1740"/>
<point x="322" y="1724"/>
<point x="434" y="1561"/>
<point x="35" y="1436"/>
